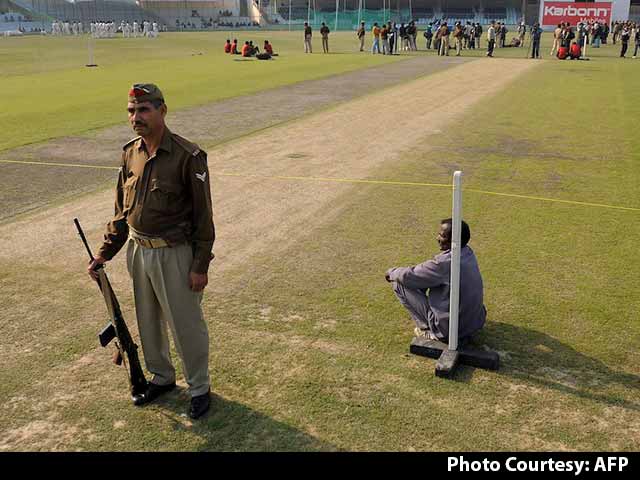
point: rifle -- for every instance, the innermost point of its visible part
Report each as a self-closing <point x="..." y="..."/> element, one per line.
<point x="117" y="328"/>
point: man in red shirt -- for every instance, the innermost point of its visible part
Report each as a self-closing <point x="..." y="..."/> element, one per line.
<point x="234" y="47"/>
<point x="246" y="50"/>
<point x="227" y="46"/>
<point x="267" y="47"/>
<point x="563" y="52"/>
<point x="574" y="51"/>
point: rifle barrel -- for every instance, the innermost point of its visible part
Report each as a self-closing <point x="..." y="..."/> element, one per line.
<point x="84" y="239"/>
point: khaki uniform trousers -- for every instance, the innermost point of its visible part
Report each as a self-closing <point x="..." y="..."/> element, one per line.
<point x="162" y="296"/>
<point x="362" y="43"/>
<point x="444" y="46"/>
<point x="307" y="44"/>
<point x="325" y="45"/>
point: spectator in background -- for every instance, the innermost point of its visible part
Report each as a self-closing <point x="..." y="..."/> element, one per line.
<point x="375" y="31"/>
<point x="268" y="48"/>
<point x="556" y="39"/>
<point x="491" y="39"/>
<point x="536" y="35"/>
<point x="361" y="33"/>
<point x="625" y="35"/>
<point x="428" y="35"/>
<point x="412" y="33"/>
<point x="477" y="31"/>
<point x="636" y="36"/>
<point x="391" y="36"/>
<point x="384" y="39"/>
<point x="246" y="50"/>
<point x="444" y="39"/>
<point x="324" y="33"/>
<point x="522" y="29"/>
<point x="307" y="38"/>
<point x="458" y="35"/>
<point x="575" y="51"/>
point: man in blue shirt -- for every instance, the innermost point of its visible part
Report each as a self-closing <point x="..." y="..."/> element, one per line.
<point x="424" y="289"/>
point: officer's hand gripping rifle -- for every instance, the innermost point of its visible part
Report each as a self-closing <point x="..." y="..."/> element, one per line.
<point x="117" y="328"/>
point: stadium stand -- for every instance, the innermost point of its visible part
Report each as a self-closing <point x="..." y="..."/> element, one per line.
<point x="89" y="11"/>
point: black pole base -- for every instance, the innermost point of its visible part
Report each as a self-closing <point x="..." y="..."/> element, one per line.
<point x="448" y="360"/>
<point x="447" y="363"/>
<point x="91" y="65"/>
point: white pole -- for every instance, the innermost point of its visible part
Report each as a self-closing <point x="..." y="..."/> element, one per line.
<point x="359" y="12"/>
<point x="454" y="287"/>
<point x="309" y="12"/>
<point x="585" y="44"/>
<point x="289" y="15"/>
<point x="337" y="6"/>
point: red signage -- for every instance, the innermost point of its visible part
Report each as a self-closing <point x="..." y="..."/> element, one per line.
<point x="553" y="13"/>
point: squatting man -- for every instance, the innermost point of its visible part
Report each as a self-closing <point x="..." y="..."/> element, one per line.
<point x="163" y="213"/>
<point x="424" y="289"/>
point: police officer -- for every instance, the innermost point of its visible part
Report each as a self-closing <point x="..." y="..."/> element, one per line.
<point x="163" y="213"/>
<point x="324" y="33"/>
<point x="307" y="38"/>
<point x="361" y="34"/>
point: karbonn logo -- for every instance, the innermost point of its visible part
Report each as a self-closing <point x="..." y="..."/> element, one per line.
<point x="575" y="12"/>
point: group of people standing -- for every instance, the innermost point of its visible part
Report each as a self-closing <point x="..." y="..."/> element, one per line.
<point x="308" y="35"/>
<point x="390" y="37"/>
<point x="565" y="39"/>
<point x="465" y="37"/>
<point x="144" y="29"/>
<point x="59" y="28"/>
<point x="627" y="31"/>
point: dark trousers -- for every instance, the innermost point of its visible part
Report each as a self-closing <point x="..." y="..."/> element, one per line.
<point x="635" y="52"/>
<point x="428" y="43"/>
<point x="492" y="43"/>
<point x="535" y="49"/>
<point x="625" y="45"/>
<point x="392" y="41"/>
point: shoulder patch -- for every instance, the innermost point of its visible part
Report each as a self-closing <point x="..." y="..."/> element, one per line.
<point x="130" y="142"/>
<point x="190" y="147"/>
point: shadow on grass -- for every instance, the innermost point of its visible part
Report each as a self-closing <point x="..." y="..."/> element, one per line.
<point x="232" y="426"/>
<point x="538" y="358"/>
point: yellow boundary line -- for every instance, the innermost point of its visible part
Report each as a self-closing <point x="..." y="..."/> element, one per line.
<point x="355" y="180"/>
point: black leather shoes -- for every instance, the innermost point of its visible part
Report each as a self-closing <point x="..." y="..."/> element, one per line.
<point x="199" y="405"/>
<point x="153" y="392"/>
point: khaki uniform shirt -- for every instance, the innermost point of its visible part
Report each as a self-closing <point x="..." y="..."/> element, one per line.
<point x="167" y="195"/>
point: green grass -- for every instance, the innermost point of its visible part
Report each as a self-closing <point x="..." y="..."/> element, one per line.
<point x="561" y="287"/>
<point x="48" y="92"/>
<point x="309" y="349"/>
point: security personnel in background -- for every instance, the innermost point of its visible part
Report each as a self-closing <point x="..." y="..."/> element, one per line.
<point x="536" y="35"/>
<point x="361" y="34"/>
<point x="307" y="38"/>
<point x="163" y="213"/>
<point x="324" y="33"/>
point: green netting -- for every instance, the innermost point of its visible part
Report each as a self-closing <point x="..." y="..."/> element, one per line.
<point x="348" y="20"/>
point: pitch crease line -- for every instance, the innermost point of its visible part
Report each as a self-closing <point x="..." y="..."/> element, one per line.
<point x="355" y="180"/>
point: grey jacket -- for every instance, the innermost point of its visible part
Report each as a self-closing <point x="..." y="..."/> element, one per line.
<point x="435" y="275"/>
